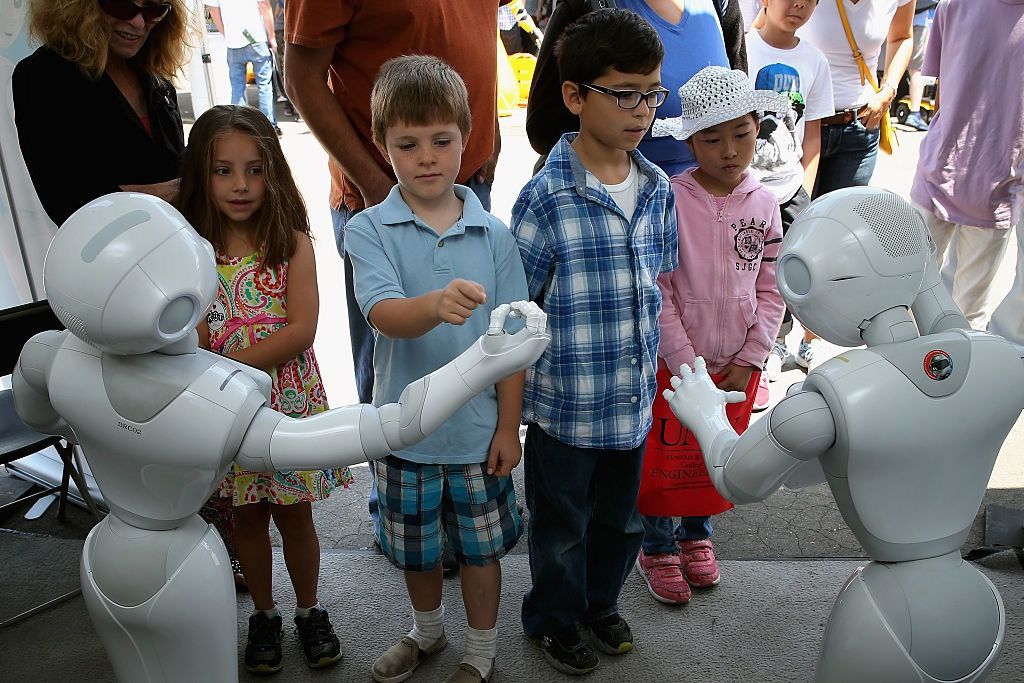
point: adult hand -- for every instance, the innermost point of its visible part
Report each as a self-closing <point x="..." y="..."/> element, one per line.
<point x="458" y="300"/>
<point x="167" y="190"/>
<point x="485" y="174"/>
<point x="871" y="115"/>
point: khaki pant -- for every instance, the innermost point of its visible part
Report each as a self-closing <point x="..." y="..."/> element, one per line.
<point x="968" y="258"/>
<point x="1008" y="318"/>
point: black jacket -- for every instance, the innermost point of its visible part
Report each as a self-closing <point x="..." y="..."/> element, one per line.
<point x="546" y="116"/>
<point x="81" y="139"/>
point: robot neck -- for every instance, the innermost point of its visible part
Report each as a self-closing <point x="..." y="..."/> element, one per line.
<point x="183" y="346"/>
<point x="888" y="327"/>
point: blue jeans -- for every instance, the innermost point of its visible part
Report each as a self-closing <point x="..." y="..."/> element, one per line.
<point x="359" y="332"/>
<point x="262" y="68"/>
<point x="660" y="537"/>
<point x="585" y="532"/>
<point x="848" y="155"/>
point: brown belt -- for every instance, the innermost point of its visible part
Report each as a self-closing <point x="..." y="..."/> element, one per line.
<point x="841" y="118"/>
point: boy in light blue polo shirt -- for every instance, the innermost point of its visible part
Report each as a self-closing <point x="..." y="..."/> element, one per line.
<point x="430" y="266"/>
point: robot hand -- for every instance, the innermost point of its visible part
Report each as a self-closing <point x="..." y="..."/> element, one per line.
<point x="500" y="354"/>
<point x="428" y="402"/>
<point x="698" y="403"/>
<point x="536" y="319"/>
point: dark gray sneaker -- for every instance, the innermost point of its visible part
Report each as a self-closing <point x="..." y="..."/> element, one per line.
<point x="263" y="648"/>
<point x="567" y="652"/>
<point x="319" y="643"/>
<point x="611" y="635"/>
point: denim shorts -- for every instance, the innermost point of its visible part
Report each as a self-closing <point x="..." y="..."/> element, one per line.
<point x="478" y="511"/>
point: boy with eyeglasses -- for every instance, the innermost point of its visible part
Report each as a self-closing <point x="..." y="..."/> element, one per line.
<point x="596" y="227"/>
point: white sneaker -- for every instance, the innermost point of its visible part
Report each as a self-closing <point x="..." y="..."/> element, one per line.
<point x="815" y="352"/>
<point x="776" y="359"/>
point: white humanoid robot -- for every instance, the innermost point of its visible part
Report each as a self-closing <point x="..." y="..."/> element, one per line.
<point x="905" y="432"/>
<point x="161" y="420"/>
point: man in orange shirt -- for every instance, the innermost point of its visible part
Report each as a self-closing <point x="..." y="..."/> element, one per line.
<point x="334" y="50"/>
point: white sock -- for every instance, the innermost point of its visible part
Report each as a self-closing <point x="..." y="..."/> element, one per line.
<point x="427" y="627"/>
<point x="480" y="649"/>
<point x="271" y="613"/>
<point x="304" y="611"/>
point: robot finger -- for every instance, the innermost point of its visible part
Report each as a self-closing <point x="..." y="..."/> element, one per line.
<point x="536" y="319"/>
<point x="498" y="316"/>
<point x="685" y="370"/>
<point x="676" y="381"/>
<point x="668" y="394"/>
<point x="700" y="367"/>
<point x="735" y="397"/>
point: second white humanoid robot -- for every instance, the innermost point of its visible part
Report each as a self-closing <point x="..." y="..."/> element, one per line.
<point x="905" y="432"/>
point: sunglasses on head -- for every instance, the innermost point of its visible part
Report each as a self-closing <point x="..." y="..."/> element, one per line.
<point x="126" y="10"/>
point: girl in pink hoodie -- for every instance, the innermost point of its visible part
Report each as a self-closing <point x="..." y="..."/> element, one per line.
<point x="722" y="303"/>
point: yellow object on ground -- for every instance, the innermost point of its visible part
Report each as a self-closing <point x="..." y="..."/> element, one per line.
<point x="508" y="86"/>
<point x="523" y="65"/>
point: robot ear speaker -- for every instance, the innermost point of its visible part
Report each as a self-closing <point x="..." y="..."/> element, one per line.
<point x="178" y="316"/>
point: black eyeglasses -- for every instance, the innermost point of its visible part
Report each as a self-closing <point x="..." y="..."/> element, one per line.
<point x="630" y="99"/>
<point x="126" y="10"/>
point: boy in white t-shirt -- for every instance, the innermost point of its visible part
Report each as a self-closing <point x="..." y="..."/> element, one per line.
<point x="788" y="146"/>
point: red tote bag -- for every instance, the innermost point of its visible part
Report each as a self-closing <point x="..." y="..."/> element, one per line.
<point x="675" y="481"/>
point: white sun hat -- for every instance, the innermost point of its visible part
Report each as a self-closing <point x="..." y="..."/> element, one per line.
<point x="715" y="95"/>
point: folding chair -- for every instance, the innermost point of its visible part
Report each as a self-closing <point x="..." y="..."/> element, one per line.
<point x="17" y="440"/>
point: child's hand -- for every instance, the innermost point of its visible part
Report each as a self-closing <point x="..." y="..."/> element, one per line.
<point x="736" y="377"/>
<point x="458" y="300"/>
<point x="505" y="453"/>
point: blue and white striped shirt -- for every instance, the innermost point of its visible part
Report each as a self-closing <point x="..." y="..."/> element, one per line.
<point x="596" y="273"/>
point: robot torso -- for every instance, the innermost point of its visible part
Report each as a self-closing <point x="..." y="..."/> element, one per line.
<point x="918" y="427"/>
<point x="159" y="431"/>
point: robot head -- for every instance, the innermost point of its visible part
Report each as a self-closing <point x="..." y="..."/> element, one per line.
<point x="851" y="255"/>
<point x="127" y="274"/>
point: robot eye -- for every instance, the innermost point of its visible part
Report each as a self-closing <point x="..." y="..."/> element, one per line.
<point x="177" y="316"/>
<point x="794" y="275"/>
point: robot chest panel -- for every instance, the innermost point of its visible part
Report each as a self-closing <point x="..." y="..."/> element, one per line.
<point x="162" y="468"/>
<point x="912" y="467"/>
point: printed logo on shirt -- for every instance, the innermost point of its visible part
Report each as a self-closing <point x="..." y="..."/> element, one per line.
<point x="749" y="242"/>
<point x="216" y="316"/>
<point x="776" y="144"/>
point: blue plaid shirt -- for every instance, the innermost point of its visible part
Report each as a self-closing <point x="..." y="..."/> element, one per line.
<point x="596" y="275"/>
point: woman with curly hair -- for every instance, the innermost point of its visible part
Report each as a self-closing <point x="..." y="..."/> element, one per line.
<point x="94" y="106"/>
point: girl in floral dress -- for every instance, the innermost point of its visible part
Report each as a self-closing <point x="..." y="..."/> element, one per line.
<point x="238" y="192"/>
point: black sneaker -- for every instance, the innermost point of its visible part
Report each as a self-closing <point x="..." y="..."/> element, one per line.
<point x="319" y="643"/>
<point x="612" y="635"/>
<point x="567" y="652"/>
<point x="263" y="648"/>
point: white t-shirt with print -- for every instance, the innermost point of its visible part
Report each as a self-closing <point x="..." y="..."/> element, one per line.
<point x="802" y="72"/>
<point x="239" y="16"/>
<point x="869" y="21"/>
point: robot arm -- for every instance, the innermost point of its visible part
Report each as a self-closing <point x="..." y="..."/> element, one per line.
<point x="749" y="468"/>
<point x="30" y="384"/>
<point x="345" y="436"/>
<point x="934" y="309"/>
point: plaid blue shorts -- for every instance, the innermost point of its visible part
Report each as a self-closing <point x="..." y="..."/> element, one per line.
<point x="478" y="511"/>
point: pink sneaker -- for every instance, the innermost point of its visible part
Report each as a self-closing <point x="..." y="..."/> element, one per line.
<point x="763" y="396"/>
<point x="699" y="564"/>
<point x="663" y="578"/>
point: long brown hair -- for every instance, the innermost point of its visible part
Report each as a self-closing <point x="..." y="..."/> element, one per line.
<point x="283" y="210"/>
<point x="78" y="31"/>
